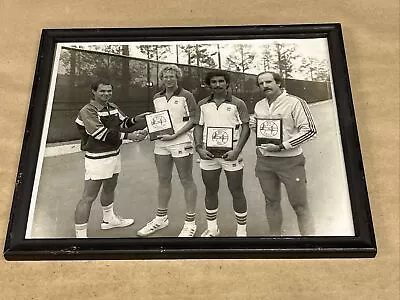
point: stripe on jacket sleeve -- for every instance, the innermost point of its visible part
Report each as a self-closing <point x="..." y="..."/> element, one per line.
<point x="311" y="132"/>
<point x="100" y="133"/>
<point x="79" y="122"/>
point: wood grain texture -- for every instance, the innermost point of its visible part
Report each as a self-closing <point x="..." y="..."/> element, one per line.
<point x="371" y="33"/>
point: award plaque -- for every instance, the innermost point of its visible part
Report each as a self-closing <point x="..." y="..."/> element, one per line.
<point x="219" y="140"/>
<point x="269" y="131"/>
<point x="159" y="123"/>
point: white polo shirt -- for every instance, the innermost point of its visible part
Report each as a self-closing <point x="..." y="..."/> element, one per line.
<point x="231" y="113"/>
<point x="298" y="124"/>
<point x="181" y="107"/>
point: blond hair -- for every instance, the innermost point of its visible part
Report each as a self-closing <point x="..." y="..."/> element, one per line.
<point x="173" y="68"/>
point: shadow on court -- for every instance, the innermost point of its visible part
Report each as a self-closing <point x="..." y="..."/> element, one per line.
<point x="62" y="178"/>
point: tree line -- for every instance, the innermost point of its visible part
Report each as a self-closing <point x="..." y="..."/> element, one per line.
<point x="282" y="58"/>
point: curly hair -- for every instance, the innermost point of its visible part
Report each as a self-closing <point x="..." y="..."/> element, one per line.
<point x="173" y="68"/>
<point x="214" y="73"/>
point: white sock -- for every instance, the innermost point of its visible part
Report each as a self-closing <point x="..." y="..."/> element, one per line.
<point x="241" y="228"/>
<point x="108" y="212"/>
<point x="81" y="230"/>
<point x="191" y="223"/>
<point x="212" y="225"/>
<point x="161" y="218"/>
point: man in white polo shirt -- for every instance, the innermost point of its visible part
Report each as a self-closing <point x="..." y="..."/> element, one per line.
<point x="283" y="163"/>
<point x="174" y="149"/>
<point x="222" y="111"/>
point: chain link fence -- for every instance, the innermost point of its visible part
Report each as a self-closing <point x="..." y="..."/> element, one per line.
<point x="135" y="82"/>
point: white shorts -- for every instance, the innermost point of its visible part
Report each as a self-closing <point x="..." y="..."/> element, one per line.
<point x="218" y="163"/>
<point x="179" y="150"/>
<point x="102" y="168"/>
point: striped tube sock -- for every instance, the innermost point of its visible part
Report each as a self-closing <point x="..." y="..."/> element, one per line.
<point x="212" y="219"/>
<point x="190" y="217"/>
<point x="241" y="219"/>
<point x="161" y="213"/>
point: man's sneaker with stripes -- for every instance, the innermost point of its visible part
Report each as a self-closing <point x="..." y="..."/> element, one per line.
<point x="210" y="233"/>
<point x="153" y="226"/>
<point x="116" y="222"/>
<point x="188" y="230"/>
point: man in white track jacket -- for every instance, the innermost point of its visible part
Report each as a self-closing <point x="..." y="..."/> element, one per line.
<point x="283" y="163"/>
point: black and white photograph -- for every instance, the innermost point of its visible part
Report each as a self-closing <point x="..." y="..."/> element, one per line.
<point x="164" y="192"/>
<point x="191" y="139"/>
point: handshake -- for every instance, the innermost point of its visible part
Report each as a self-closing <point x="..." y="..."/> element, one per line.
<point x="138" y="135"/>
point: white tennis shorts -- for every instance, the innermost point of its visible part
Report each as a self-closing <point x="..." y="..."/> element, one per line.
<point x="218" y="163"/>
<point x="102" y="168"/>
<point x="179" y="150"/>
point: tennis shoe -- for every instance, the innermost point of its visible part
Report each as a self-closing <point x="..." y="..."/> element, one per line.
<point x="153" y="226"/>
<point x="210" y="233"/>
<point x="188" y="230"/>
<point x="116" y="222"/>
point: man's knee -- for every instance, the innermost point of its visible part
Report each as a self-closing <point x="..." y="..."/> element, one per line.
<point x="164" y="179"/>
<point x="109" y="187"/>
<point x="187" y="182"/>
<point x="272" y="202"/>
<point x="237" y="192"/>
<point x="88" y="199"/>
<point x="301" y="209"/>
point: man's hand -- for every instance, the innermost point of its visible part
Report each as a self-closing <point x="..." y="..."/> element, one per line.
<point x="205" y="154"/>
<point x="141" y="116"/>
<point x="270" y="147"/>
<point x="138" y="135"/>
<point x="167" y="137"/>
<point x="231" y="155"/>
<point x="252" y="123"/>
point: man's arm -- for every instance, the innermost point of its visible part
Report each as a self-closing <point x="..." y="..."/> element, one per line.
<point x="304" y="122"/>
<point x="244" y="136"/>
<point x="198" y="136"/>
<point x="198" y="143"/>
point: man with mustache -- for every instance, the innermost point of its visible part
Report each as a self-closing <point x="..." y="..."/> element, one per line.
<point x="101" y="124"/>
<point x="283" y="163"/>
<point x="221" y="109"/>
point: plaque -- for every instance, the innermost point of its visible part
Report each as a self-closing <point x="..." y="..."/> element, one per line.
<point x="159" y="123"/>
<point x="269" y="131"/>
<point x="219" y="140"/>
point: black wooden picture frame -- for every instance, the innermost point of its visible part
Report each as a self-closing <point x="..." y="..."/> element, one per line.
<point x="362" y="244"/>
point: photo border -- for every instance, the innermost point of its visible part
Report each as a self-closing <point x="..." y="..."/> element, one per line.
<point x="362" y="244"/>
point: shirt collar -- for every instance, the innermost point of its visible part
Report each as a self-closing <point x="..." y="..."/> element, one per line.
<point x="176" y="93"/>
<point x="98" y="105"/>
<point x="284" y="93"/>
<point x="228" y="97"/>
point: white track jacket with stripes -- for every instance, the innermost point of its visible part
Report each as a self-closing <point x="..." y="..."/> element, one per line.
<point x="298" y="123"/>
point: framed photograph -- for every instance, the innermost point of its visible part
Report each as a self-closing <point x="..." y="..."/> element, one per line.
<point x="92" y="184"/>
<point x="158" y="124"/>
<point x="219" y="140"/>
